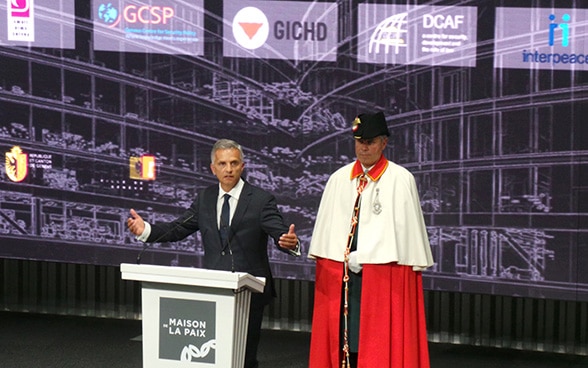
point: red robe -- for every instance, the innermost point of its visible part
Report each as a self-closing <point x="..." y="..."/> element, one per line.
<point x="392" y="330"/>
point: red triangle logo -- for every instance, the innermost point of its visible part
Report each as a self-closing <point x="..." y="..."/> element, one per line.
<point x="250" y="28"/>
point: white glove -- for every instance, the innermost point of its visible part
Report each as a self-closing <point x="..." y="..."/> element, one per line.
<point x="354" y="266"/>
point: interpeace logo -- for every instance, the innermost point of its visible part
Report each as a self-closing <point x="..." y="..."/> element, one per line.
<point x="564" y="27"/>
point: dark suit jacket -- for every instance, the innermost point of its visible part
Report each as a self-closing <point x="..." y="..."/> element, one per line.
<point x="256" y="217"/>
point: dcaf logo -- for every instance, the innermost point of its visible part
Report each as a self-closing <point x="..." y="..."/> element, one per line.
<point x="390" y="35"/>
<point x="145" y="14"/>
<point x="441" y="21"/>
<point x="250" y="28"/>
<point x="17" y="166"/>
<point x="565" y="29"/>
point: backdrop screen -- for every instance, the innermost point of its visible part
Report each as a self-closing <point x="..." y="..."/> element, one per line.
<point x="112" y="105"/>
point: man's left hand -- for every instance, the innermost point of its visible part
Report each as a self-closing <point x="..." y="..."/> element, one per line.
<point x="289" y="240"/>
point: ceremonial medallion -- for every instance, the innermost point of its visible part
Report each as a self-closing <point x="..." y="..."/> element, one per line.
<point x="377" y="206"/>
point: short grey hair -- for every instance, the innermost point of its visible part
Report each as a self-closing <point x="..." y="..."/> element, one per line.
<point x="226" y="144"/>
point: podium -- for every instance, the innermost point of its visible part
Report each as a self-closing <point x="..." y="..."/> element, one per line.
<point x="193" y="317"/>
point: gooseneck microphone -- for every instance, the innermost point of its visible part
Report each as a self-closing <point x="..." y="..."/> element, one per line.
<point x="148" y="245"/>
<point x="229" y="232"/>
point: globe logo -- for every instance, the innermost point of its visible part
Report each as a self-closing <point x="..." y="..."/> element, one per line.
<point x="390" y="34"/>
<point x="107" y="13"/>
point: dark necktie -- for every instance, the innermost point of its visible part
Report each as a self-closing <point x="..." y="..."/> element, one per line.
<point x="224" y="221"/>
<point x="362" y="183"/>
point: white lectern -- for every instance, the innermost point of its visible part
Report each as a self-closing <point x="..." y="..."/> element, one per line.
<point x="193" y="317"/>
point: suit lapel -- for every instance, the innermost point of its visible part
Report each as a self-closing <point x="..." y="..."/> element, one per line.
<point x="209" y="206"/>
<point x="242" y="205"/>
<point x="210" y="201"/>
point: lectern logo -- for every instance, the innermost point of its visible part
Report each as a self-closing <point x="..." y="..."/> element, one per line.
<point x="187" y="330"/>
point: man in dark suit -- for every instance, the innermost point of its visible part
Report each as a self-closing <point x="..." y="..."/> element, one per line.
<point x="234" y="238"/>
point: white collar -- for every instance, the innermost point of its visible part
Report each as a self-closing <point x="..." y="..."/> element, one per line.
<point x="235" y="192"/>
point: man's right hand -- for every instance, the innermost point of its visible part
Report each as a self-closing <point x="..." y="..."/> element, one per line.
<point x="135" y="223"/>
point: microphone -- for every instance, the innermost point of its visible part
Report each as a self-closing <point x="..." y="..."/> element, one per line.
<point x="231" y="252"/>
<point x="148" y="245"/>
<point x="228" y="228"/>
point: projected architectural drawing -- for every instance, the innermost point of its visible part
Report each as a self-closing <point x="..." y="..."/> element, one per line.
<point x="500" y="155"/>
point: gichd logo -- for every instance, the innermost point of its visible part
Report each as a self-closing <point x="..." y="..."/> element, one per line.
<point x="132" y="14"/>
<point x="250" y="28"/>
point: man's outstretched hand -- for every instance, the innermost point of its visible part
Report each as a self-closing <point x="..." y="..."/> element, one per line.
<point x="135" y="223"/>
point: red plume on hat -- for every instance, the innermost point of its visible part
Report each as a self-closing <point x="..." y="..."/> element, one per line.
<point x="367" y="126"/>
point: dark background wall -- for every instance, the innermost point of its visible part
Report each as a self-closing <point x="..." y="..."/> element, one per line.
<point x="499" y="153"/>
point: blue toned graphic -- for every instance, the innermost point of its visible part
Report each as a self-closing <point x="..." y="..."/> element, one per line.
<point x="107" y="13"/>
<point x="565" y="30"/>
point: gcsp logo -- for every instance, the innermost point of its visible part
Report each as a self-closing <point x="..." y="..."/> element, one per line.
<point x="145" y="14"/>
<point x="108" y="14"/>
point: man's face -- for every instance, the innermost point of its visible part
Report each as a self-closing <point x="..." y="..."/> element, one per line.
<point x="227" y="167"/>
<point x="369" y="151"/>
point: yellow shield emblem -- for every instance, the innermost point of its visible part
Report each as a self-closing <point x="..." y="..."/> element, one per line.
<point x="17" y="166"/>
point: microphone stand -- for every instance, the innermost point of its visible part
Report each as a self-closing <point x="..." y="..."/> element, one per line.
<point x="148" y="245"/>
<point x="223" y="225"/>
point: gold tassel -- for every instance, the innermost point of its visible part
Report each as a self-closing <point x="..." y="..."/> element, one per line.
<point x="346" y="363"/>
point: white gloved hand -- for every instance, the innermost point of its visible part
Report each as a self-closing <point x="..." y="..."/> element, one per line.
<point x="354" y="266"/>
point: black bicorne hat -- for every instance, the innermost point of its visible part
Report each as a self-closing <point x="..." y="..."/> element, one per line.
<point x="367" y="126"/>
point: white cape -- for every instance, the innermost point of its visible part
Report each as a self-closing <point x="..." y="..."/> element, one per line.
<point x="396" y="234"/>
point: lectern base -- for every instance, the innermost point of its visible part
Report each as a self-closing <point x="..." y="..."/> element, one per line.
<point x="193" y="317"/>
